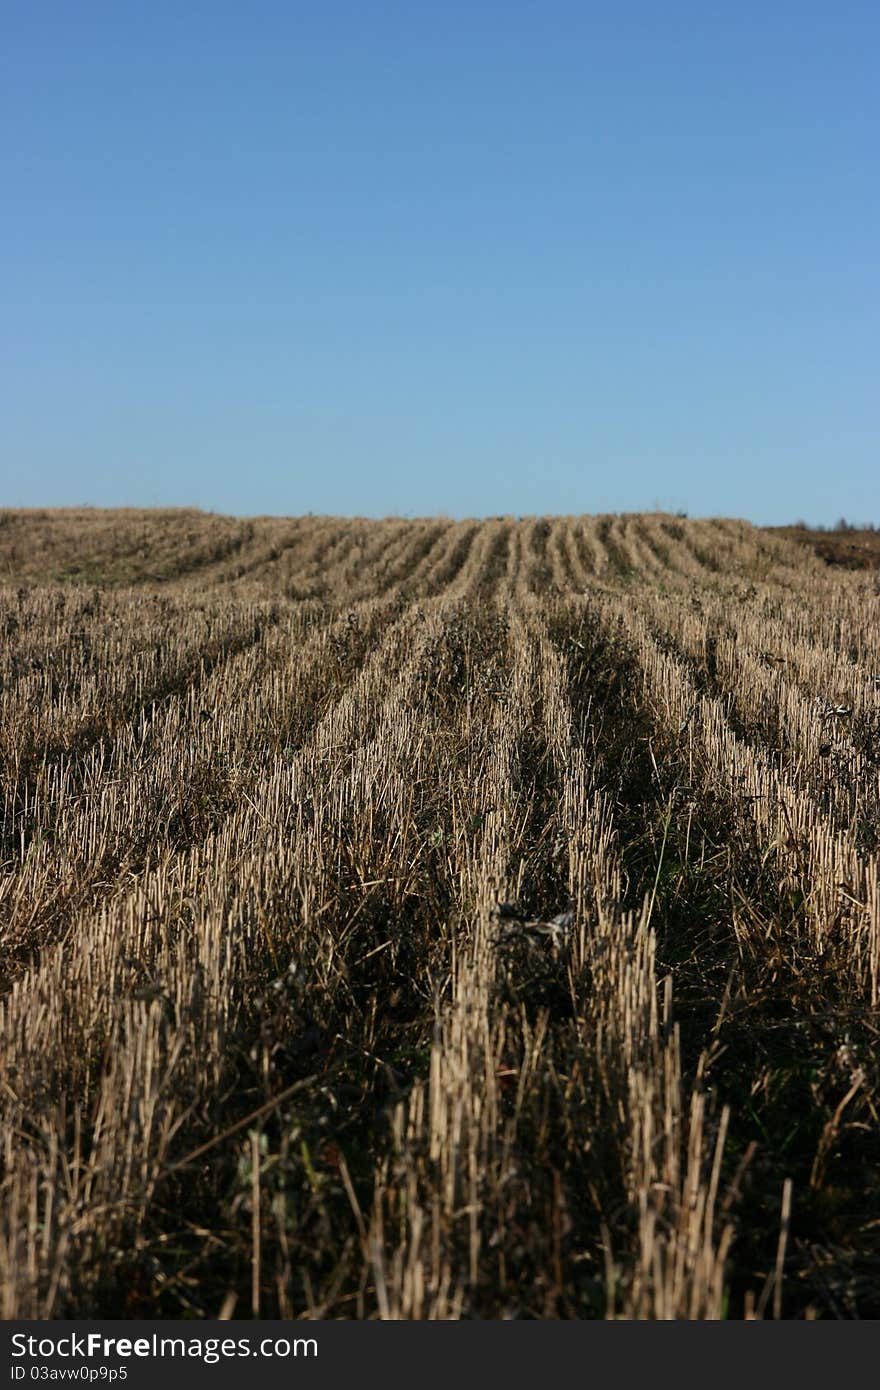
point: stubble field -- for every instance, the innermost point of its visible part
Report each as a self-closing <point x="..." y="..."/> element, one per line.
<point x="431" y="919"/>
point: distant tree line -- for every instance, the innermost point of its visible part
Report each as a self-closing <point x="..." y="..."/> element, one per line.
<point x="841" y="525"/>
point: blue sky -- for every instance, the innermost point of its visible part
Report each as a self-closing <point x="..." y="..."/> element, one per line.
<point x="470" y="258"/>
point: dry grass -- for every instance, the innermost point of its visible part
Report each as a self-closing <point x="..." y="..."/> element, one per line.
<point x="853" y="547"/>
<point x="436" y="920"/>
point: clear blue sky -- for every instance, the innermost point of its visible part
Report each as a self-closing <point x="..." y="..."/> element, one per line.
<point x="408" y="258"/>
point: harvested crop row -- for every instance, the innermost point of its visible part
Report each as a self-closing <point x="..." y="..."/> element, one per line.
<point x="439" y="919"/>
